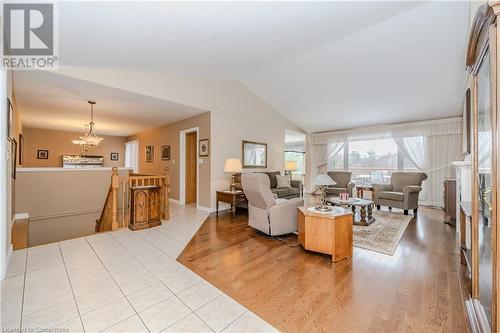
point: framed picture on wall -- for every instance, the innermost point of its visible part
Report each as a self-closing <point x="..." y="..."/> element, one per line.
<point x="13" y="155"/>
<point x="114" y="156"/>
<point x="254" y="154"/>
<point x="203" y="147"/>
<point x="149" y="153"/>
<point x="21" y="148"/>
<point x="10" y="112"/>
<point x="42" y="154"/>
<point x="165" y="153"/>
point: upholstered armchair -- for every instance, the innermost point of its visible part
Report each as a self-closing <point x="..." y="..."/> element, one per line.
<point x="402" y="192"/>
<point x="265" y="213"/>
<point x="343" y="180"/>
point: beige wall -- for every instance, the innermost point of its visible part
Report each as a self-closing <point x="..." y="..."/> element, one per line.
<point x="227" y="135"/>
<point x="59" y="143"/>
<point x="170" y="135"/>
<point x="62" y="204"/>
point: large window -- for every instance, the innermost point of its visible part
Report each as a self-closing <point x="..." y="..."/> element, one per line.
<point x="299" y="158"/>
<point x="370" y="160"/>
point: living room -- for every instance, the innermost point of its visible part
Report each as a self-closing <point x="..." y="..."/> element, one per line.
<point x="251" y="167"/>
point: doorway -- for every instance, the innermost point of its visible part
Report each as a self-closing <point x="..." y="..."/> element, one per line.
<point x="190" y="168"/>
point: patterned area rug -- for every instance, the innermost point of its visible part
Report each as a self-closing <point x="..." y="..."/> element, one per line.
<point x="384" y="234"/>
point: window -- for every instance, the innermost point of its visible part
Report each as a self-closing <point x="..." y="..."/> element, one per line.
<point x="299" y="158"/>
<point x="371" y="159"/>
<point x="366" y="157"/>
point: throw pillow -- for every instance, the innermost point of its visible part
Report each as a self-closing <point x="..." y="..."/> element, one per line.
<point x="283" y="181"/>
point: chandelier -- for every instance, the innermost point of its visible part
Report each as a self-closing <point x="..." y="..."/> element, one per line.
<point x="89" y="139"/>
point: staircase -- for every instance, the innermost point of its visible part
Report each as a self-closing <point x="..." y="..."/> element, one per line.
<point x="114" y="214"/>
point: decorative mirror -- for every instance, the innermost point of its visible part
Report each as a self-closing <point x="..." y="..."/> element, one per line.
<point x="254" y="154"/>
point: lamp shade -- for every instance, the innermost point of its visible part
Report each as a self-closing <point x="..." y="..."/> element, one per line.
<point x="323" y="180"/>
<point x="233" y="165"/>
<point x="290" y="165"/>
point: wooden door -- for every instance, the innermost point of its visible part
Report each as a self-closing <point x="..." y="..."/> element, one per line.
<point x="190" y="179"/>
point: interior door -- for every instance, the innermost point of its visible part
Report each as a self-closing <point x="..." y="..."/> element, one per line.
<point x="191" y="158"/>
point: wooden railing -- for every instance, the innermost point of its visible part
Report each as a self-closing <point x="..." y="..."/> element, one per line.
<point x="110" y="218"/>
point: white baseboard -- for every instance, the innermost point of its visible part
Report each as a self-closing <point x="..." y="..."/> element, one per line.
<point x="21" y="216"/>
<point x="203" y="208"/>
<point x="174" y="201"/>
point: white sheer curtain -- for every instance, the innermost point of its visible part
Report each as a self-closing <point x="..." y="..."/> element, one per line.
<point x="320" y="154"/>
<point x="432" y="155"/>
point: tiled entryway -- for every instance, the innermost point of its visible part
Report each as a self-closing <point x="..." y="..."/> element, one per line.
<point x="120" y="281"/>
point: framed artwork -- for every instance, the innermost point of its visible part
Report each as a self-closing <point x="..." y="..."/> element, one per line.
<point x="467" y="120"/>
<point x="254" y="154"/>
<point x="114" y="156"/>
<point x="43" y="154"/>
<point x="10" y="112"/>
<point x="149" y="153"/>
<point x="21" y="148"/>
<point x="203" y="147"/>
<point x="165" y="153"/>
<point x="13" y="155"/>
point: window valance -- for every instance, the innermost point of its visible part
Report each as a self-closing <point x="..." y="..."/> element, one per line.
<point x="446" y="126"/>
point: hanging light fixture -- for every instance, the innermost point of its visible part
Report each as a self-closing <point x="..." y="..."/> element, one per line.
<point x="89" y="139"/>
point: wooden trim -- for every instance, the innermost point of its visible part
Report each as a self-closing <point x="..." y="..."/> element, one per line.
<point x="243" y="155"/>
<point x="474" y="195"/>
<point x="479" y="35"/>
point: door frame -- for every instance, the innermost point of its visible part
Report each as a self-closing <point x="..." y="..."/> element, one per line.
<point x="182" y="165"/>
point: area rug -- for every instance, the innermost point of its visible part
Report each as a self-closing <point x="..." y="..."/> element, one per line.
<point x="384" y="234"/>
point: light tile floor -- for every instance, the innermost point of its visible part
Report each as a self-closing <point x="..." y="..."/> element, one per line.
<point x="119" y="281"/>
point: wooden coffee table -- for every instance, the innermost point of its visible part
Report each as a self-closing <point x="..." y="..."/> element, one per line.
<point x="328" y="233"/>
<point x="365" y="216"/>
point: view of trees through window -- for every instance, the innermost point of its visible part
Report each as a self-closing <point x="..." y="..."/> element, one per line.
<point x="370" y="159"/>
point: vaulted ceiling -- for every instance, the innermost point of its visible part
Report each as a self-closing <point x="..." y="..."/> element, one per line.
<point x="323" y="65"/>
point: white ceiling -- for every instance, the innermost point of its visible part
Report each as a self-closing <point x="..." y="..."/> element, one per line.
<point x="58" y="102"/>
<point x="323" y="65"/>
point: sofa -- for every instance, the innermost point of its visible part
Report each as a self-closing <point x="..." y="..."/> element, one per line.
<point x="283" y="193"/>
<point x="343" y="180"/>
<point x="267" y="214"/>
<point x="402" y="192"/>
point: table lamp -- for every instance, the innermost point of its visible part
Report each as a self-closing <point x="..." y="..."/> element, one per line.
<point x="233" y="166"/>
<point x="323" y="181"/>
<point x="289" y="167"/>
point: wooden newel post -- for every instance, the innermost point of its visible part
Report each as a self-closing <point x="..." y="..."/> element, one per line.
<point x="166" y="186"/>
<point x="115" y="184"/>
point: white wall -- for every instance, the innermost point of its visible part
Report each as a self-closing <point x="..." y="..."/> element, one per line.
<point x="5" y="183"/>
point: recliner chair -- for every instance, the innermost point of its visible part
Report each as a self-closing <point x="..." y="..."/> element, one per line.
<point x="267" y="214"/>
<point x="402" y="192"/>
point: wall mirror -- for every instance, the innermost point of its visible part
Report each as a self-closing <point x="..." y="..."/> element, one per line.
<point x="254" y="154"/>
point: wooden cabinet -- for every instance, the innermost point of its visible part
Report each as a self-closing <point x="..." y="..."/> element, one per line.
<point x="145" y="207"/>
<point x="326" y="233"/>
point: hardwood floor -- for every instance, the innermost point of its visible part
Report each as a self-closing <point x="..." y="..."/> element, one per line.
<point x="416" y="290"/>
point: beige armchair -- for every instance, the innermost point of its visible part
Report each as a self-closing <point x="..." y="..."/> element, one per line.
<point x="402" y="192"/>
<point x="343" y="180"/>
<point x="265" y="213"/>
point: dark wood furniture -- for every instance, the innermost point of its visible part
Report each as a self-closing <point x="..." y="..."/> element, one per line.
<point x="365" y="216"/>
<point x="450" y="201"/>
<point x="145" y="207"/>
<point x="234" y="198"/>
<point x="326" y="233"/>
<point x="360" y="189"/>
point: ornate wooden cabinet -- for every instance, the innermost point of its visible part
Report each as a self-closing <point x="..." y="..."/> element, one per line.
<point x="483" y="273"/>
<point x="145" y="207"/>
